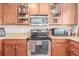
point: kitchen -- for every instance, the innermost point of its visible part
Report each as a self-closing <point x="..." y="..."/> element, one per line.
<point x="44" y="29"/>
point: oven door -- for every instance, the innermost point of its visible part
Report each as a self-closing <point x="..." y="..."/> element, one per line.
<point x="39" y="47"/>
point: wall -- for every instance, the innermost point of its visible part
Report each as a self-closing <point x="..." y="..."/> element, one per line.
<point x="15" y="29"/>
<point x="26" y="29"/>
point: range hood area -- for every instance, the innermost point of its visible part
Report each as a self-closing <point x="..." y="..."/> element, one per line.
<point x="39" y="29"/>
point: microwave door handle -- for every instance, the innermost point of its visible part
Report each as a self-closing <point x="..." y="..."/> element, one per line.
<point x="46" y="20"/>
<point x="43" y="21"/>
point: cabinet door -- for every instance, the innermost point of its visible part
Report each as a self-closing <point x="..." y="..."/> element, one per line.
<point x="21" y="50"/>
<point x="73" y="48"/>
<point x="9" y="50"/>
<point x="52" y="16"/>
<point x="58" y="50"/>
<point x="44" y="8"/>
<point x="1" y="13"/>
<point x="60" y="19"/>
<point x="34" y="8"/>
<point x="59" y="47"/>
<point x="69" y="13"/>
<point x="10" y="13"/>
<point x="1" y="51"/>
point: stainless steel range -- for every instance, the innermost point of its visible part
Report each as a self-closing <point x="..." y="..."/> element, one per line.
<point x="39" y="43"/>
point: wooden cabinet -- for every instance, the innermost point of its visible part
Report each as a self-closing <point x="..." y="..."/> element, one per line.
<point x="44" y="8"/>
<point x="59" y="47"/>
<point x="14" y="47"/>
<point x="39" y="8"/>
<point x="69" y="13"/>
<point x="9" y="47"/>
<point x="55" y="13"/>
<point x="73" y="48"/>
<point x="10" y="13"/>
<point x="21" y="49"/>
<point x="1" y="13"/>
<point x="9" y="50"/>
<point x="34" y="8"/>
<point x="1" y="50"/>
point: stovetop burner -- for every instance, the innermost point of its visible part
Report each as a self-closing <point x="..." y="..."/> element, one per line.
<point x="39" y="34"/>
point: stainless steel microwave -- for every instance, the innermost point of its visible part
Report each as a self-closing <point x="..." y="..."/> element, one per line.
<point x="38" y="19"/>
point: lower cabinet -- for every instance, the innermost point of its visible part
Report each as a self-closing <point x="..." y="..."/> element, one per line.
<point x="9" y="50"/>
<point x="15" y="47"/>
<point x="21" y="50"/>
<point x="73" y="48"/>
<point x="59" y="47"/>
<point x="1" y="48"/>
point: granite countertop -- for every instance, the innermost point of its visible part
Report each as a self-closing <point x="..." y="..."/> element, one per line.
<point x="15" y="36"/>
<point x="65" y="37"/>
<point x="26" y="35"/>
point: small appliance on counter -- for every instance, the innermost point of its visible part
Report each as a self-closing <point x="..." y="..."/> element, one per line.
<point x="2" y="32"/>
<point x="39" y="43"/>
<point x="61" y="32"/>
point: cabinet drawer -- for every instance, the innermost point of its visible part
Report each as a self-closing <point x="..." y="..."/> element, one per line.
<point x="14" y="41"/>
<point x="58" y="41"/>
<point x="9" y="41"/>
<point x="20" y="41"/>
<point x="59" y="44"/>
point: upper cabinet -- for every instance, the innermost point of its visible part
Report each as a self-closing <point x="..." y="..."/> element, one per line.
<point x="10" y="13"/>
<point x="22" y="13"/>
<point x="69" y="13"/>
<point x="34" y="8"/>
<point x="44" y="8"/>
<point x="39" y="8"/>
<point x="58" y="13"/>
<point x="64" y="14"/>
<point x="55" y="13"/>
<point x="1" y="13"/>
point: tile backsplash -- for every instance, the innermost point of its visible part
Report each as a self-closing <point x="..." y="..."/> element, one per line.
<point x="24" y="28"/>
<point x="15" y="28"/>
<point x="19" y="28"/>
